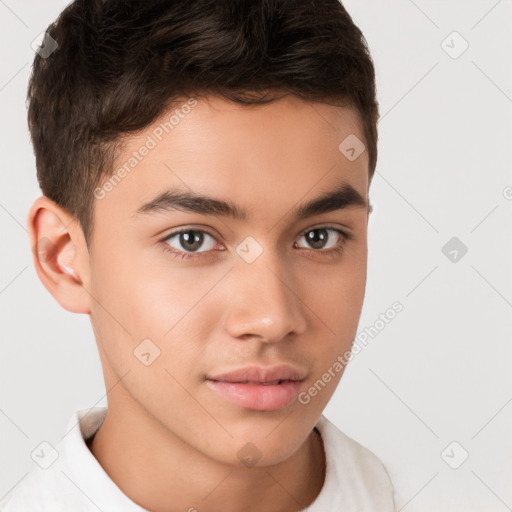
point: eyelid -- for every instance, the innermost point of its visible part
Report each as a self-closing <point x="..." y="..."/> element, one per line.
<point x="191" y="227"/>
<point x="347" y="233"/>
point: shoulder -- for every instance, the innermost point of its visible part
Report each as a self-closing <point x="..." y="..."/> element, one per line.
<point x="57" y="487"/>
<point x="39" y="490"/>
<point x="356" y="468"/>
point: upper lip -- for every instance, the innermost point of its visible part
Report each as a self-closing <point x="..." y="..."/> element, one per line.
<point x="261" y="374"/>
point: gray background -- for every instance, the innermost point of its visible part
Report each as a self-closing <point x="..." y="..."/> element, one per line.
<point x="440" y="371"/>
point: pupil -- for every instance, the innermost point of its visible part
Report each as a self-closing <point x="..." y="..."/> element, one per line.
<point x="193" y="241"/>
<point x="317" y="241"/>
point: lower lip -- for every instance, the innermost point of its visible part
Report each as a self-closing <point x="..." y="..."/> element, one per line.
<point x="258" y="396"/>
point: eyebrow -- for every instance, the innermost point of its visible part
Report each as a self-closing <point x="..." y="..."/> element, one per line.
<point x="343" y="196"/>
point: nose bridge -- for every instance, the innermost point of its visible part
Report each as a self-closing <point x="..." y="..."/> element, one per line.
<point x="267" y="305"/>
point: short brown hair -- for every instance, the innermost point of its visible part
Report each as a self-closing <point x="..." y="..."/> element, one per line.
<point x="119" y="64"/>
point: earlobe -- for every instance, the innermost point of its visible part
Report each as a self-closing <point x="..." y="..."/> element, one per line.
<point x="58" y="248"/>
<point x="370" y="210"/>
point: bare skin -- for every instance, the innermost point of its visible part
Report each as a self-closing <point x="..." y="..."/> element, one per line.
<point x="169" y="441"/>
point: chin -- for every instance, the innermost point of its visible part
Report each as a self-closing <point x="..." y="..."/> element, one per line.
<point x="261" y="446"/>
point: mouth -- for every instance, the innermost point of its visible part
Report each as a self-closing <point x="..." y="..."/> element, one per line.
<point x="259" y="389"/>
<point x="272" y="383"/>
<point x="262" y="375"/>
<point x="260" y="396"/>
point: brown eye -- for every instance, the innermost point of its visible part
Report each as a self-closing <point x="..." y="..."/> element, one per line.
<point x="189" y="240"/>
<point x="318" y="238"/>
<point x="321" y="242"/>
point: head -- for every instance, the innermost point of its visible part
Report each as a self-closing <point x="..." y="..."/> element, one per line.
<point x="230" y="122"/>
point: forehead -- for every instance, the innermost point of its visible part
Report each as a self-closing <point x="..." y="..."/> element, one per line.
<point x="265" y="155"/>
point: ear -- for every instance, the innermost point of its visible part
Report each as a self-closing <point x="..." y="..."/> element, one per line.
<point x="60" y="254"/>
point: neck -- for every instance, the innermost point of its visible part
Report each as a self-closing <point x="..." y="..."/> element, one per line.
<point x="161" y="473"/>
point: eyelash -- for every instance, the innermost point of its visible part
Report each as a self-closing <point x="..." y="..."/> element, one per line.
<point x="332" y="253"/>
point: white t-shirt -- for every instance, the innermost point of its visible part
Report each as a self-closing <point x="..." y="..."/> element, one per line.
<point x="75" y="481"/>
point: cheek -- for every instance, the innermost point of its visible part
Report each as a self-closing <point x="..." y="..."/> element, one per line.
<point x="147" y="308"/>
<point x="140" y="292"/>
<point x="335" y="294"/>
<point x="335" y="299"/>
<point x="167" y="305"/>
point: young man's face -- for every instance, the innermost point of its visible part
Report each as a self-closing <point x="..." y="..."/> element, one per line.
<point x="261" y="290"/>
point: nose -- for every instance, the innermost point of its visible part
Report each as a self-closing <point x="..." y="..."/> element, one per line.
<point x="265" y="300"/>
